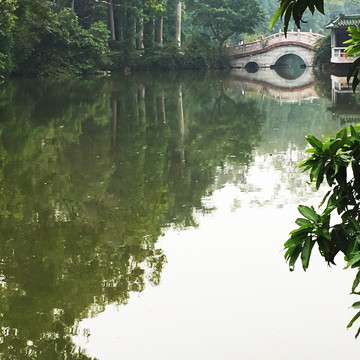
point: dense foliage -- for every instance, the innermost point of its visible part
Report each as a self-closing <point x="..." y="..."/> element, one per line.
<point x="82" y="37"/>
<point x="322" y="52"/>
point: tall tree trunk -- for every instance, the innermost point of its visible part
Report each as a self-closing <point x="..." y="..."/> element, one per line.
<point x="121" y="24"/>
<point x="221" y="51"/>
<point x="149" y="35"/>
<point x="142" y="105"/>
<point x="140" y="34"/>
<point x="130" y="26"/>
<point x="160" y="107"/>
<point x="181" y="126"/>
<point x="114" y="120"/>
<point x="159" y="30"/>
<point x="111" y="20"/>
<point x="178" y="23"/>
<point x="72" y="5"/>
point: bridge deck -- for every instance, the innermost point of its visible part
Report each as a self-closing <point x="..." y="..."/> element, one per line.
<point x="303" y="39"/>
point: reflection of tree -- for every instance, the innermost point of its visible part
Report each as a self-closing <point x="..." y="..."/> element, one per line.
<point x="217" y="130"/>
<point x="73" y="237"/>
<point x="91" y="173"/>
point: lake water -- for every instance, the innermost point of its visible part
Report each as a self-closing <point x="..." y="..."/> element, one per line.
<point x="143" y="217"/>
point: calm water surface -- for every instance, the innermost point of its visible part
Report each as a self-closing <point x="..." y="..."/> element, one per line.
<point x="144" y="217"/>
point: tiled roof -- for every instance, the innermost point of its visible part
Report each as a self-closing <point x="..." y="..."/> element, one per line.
<point x="344" y="21"/>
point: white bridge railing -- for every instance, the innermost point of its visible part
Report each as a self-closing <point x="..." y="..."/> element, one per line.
<point x="308" y="38"/>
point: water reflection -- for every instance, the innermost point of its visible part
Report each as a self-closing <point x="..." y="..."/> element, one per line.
<point x="289" y="66"/>
<point x="279" y="77"/>
<point x="345" y="105"/>
<point x="92" y="173"/>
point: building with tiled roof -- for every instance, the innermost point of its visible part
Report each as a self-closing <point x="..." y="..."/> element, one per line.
<point x="339" y="34"/>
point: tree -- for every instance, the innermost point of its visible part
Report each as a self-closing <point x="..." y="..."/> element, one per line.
<point x="7" y="23"/>
<point x="227" y="17"/>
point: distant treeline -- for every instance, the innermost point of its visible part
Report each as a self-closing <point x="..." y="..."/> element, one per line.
<point x="82" y="37"/>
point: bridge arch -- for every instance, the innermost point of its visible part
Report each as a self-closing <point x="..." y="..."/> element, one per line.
<point x="252" y="67"/>
<point x="289" y="66"/>
<point x="287" y="55"/>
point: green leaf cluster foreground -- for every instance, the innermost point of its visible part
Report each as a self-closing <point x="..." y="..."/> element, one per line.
<point x="336" y="229"/>
<point x="353" y="50"/>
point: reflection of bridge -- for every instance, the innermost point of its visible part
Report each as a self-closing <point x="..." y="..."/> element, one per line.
<point x="269" y="51"/>
<point x="266" y="83"/>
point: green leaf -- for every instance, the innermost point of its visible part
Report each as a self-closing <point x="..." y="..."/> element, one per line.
<point x="356" y="81"/>
<point x="357" y="333"/>
<point x="324" y="198"/>
<point x="306" y="252"/>
<point x="353" y="132"/>
<point x="353" y="261"/>
<point x="287" y="17"/>
<point x="323" y="232"/>
<point x="314" y="142"/>
<point x="319" y="4"/>
<point x="356" y="305"/>
<point x="298" y="236"/>
<point x="303" y="229"/>
<point x="293" y="243"/>
<point x="324" y="245"/>
<point x="334" y="199"/>
<point x="315" y="170"/>
<point x="356" y="282"/>
<point x="339" y="237"/>
<point x="350" y="324"/>
<point x="320" y="177"/>
<point x="352" y="69"/>
<point x="303" y="222"/>
<point x="308" y="213"/>
<point x="294" y="256"/>
<point x="275" y="18"/>
<point x="335" y="146"/>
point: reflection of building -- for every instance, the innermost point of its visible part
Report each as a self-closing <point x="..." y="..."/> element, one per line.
<point x="344" y="105"/>
<point x="339" y="34"/>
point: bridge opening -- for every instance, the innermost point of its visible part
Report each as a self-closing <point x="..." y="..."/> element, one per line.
<point x="289" y="66"/>
<point x="252" y="67"/>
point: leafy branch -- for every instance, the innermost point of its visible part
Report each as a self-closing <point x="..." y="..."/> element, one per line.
<point x="336" y="161"/>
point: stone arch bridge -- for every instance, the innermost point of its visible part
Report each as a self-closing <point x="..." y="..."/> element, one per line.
<point x="271" y="50"/>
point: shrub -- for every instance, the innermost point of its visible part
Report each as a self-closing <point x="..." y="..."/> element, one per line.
<point x="64" y="47"/>
<point x="322" y="51"/>
<point x="167" y="57"/>
<point x="200" y="52"/>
